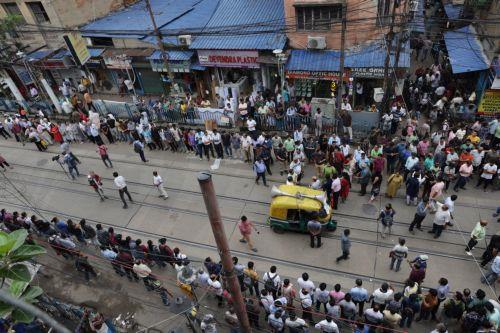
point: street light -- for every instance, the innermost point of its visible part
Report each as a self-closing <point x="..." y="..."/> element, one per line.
<point x="281" y="57"/>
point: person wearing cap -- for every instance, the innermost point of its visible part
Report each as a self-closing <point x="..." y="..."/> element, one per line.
<point x="477" y="234"/>
<point x="207" y="325"/>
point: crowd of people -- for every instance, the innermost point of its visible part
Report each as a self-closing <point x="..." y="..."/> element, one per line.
<point x="272" y="302"/>
<point x="429" y="145"/>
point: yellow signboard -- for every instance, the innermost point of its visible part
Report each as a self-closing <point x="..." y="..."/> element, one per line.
<point x="490" y="103"/>
<point x="77" y="47"/>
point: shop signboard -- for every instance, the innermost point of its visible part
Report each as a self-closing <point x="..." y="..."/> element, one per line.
<point x="78" y="48"/>
<point x="490" y="103"/>
<point x="219" y="58"/>
<point x="369" y="72"/>
<point x="118" y="63"/>
<point x="318" y="75"/>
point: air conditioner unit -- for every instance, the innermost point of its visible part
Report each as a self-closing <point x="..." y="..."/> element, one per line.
<point x="316" y="43"/>
<point x="184" y="40"/>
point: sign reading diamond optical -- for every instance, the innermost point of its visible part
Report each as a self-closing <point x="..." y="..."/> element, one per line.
<point x="369" y="72"/>
<point x="239" y="59"/>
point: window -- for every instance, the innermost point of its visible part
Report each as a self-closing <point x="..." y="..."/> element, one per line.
<point x="101" y="41"/>
<point x="383" y="12"/>
<point x="12" y="9"/>
<point x="38" y="12"/>
<point x="318" y="17"/>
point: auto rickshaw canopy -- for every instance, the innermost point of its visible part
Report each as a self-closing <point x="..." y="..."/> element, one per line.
<point x="295" y="197"/>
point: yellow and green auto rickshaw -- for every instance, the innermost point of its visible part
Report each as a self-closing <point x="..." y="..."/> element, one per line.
<point x="293" y="206"/>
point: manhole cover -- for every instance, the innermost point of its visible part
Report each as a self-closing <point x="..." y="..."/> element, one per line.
<point x="42" y="162"/>
<point x="369" y="209"/>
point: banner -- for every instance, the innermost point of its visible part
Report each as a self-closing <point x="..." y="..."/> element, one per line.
<point x="219" y="58"/>
<point x="78" y="47"/>
<point x="490" y="103"/>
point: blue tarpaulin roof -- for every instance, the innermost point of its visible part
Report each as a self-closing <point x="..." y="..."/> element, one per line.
<point x="40" y="54"/>
<point x="417" y="24"/>
<point x="60" y="54"/>
<point x="244" y="25"/>
<point x="134" y="21"/>
<point x="453" y="11"/>
<point x="465" y="51"/>
<point x="190" y="23"/>
<point x="173" y="55"/>
<point x="95" y="52"/>
<point x="313" y="60"/>
<point x="372" y="55"/>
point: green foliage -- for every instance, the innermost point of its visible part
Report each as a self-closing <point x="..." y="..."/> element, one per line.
<point x="13" y="254"/>
<point x="9" y="24"/>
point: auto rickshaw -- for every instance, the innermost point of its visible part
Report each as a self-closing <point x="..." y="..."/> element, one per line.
<point x="293" y="206"/>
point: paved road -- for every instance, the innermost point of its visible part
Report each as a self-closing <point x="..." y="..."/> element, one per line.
<point x="182" y="218"/>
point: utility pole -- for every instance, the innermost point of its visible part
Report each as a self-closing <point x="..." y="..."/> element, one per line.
<point x="164" y="55"/>
<point x="207" y="189"/>
<point x="400" y="40"/>
<point x="388" y="44"/>
<point x="342" y="54"/>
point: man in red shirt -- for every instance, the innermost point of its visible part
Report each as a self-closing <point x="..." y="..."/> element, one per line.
<point x="96" y="183"/>
<point x="246" y="227"/>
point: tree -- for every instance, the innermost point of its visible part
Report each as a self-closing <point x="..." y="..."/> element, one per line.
<point x="14" y="253"/>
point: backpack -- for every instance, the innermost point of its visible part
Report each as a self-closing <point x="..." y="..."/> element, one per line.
<point x="137" y="147"/>
<point x="247" y="281"/>
<point x="454" y="309"/>
<point x="269" y="284"/>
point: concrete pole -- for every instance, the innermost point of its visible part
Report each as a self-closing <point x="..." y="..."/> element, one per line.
<point x="12" y="86"/>
<point x="52" y="96"/>
<point x="207" y="189"/>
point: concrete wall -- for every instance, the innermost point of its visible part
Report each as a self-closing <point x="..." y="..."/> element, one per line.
<point x="491" y="45"/>
<point x="63" y="13"/>
<point x="358" y="32"/>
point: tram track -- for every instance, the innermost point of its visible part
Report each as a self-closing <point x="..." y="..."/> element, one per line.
<point x="337" y="214"/>
<point x="216" y="172"/>
<point x="233" y="220"/>
<point x="214" y="248"/>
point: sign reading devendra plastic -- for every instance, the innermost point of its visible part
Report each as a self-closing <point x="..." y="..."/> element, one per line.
<point x="219" y="58"/>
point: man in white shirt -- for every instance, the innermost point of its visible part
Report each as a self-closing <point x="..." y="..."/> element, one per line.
<point x="327" y="325"/>
<point x="122" y="188"/>
<point x="158" y="182"/>
<point x="336" y="186"/>
<point x="316" y="183"/>
<point x="246" y="147"/>
<point x="305" y="283"/>
<point x="441" y="218"/>
<point x="251" y="123"/>
<point x="215" y="287"/>
<point x="382" y="295"/>
<point x="345" y="105"/>
<point x="486" y="178"/>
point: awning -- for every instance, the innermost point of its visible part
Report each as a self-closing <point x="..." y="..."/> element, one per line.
<point x="373" y="55"/>
<point x="94" y="53"/>
<point x="465" y="51"/>
<point x="40" y="54"/>
<point x="109" y="53"/>
<point x="308" y="60"/>
<point x="453" y="11"/>
<point x="173" y="55"/>
<point x="197" y="67"/>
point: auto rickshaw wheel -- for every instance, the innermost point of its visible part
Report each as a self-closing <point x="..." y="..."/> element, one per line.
<point x="278" y="229"/>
